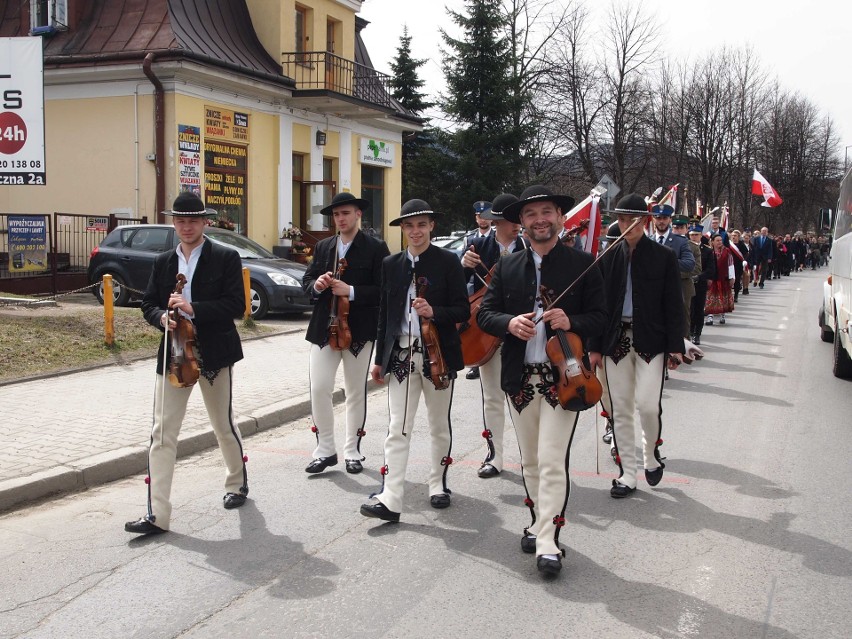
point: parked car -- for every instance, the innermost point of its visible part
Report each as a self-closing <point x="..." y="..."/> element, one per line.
<point x="128" y="253"/>
<point x="452" y="243"/>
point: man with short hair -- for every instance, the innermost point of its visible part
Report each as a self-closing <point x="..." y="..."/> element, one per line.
<point x="513" y="309"/>
<point x="762" y="248"/>
<point x="347" y="267"/>
<point x="483" y="230"/>
<point x="422" y="296"/>
<point x="642" y="336"/>
<point x="212" y="297"/>
<point x="687" y="280"/>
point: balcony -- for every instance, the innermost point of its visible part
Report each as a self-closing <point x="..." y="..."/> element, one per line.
<point x="328" y="83"/>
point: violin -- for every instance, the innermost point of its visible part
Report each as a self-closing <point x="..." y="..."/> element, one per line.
<point x="571" y="234"/>
<point x="183" y="366"/>
<point x="577" y="388"/>
<point x="339" y="334"/>
<point x="477" y="346"/>
<point x="434" y="366"/>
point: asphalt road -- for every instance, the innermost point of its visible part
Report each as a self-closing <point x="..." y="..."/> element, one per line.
<point x="746" y="536"/>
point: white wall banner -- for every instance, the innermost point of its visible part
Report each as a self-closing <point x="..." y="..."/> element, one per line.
<point x="22" y="112"/>
<point x="376" y="152"/>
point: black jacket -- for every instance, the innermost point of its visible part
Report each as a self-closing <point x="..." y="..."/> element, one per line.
<point x="217" y="298"/>
<point x="657" y="299"/>
<point x="446" y="293"/>
<point x="512" y="292"/>
<point x="489" y="252"/>
<point x="363" y="272"/>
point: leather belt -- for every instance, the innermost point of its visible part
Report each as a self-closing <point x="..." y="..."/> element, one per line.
<point x="414" y="344"/>
<point x="537" y="369"/>
<point x="626" y="325"/>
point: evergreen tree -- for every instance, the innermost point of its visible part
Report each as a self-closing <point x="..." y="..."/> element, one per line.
<point x="479" y="100"/>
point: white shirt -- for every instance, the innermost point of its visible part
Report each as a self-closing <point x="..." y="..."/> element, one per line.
<point x="342" y="249"/>
<point x="187" y="267"/>
<point x="536" y="352"/>
<point x="410" y="322"/>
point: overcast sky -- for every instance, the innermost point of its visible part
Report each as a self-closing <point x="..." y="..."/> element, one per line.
<point x="801" y="43"/>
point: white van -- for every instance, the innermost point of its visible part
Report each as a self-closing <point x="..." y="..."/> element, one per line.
<point x="836" y="315"/>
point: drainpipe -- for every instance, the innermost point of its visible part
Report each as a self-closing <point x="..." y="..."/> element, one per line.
<point x="159" y="137"/>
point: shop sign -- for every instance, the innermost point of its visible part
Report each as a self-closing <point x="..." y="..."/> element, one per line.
<point x="377" y="152"/>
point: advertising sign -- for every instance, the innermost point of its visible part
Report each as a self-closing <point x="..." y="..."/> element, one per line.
<point x="226" y="181"/>
<point x="226" y="125"/>
<point x="189" y="158"/>
<point x="21" y="112"/>
<point x="97" y="223"/>
<point x="27" y="243"/>
<point x="377" y="152"/>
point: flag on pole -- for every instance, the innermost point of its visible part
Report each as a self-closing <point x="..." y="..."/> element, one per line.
<point x="588" y="209"/>
<point x="723" y="219"/>
<point x="699" y="209"/>
<point x="705" y="221"/>
<point x="670" y="197"/>
<point x="759" y="186"/>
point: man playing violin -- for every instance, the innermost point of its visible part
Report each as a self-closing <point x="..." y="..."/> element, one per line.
<point x="512" y="309"/>
<point x="478" y="260"/>
<point x="211" y="299"/>
<point x="423" y="297"/>
<point x="359" y="258"/>
<point x="642" y="336"/>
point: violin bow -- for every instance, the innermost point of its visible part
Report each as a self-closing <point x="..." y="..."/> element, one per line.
<point x="615" y="242"/>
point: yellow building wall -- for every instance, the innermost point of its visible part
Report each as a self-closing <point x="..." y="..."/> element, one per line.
<point x="91" y="155"/>
<point x="275" y="25"/>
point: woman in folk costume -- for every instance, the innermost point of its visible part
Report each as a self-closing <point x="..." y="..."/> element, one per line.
<point x="720" y="293"/>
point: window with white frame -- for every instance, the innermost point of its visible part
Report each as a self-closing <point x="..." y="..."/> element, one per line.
<point x="48" y="13"/>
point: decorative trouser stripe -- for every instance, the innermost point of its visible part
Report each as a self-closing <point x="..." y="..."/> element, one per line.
<point x="493" y="414"/>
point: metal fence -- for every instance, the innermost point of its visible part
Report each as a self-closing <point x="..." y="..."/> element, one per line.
<point x="70" y="240"/>
<point x="323" y="70"/>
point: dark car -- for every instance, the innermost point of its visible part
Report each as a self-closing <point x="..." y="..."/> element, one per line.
<point x="128" y="253"/>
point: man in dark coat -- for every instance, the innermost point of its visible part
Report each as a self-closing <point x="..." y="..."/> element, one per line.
<point x="423" y="293"/>
<point x="642" y="335"/>
<point x="707" y="274"/>
<point x="347" y="266"/>
<point x="211" y="299"/>
<point x="513" y="309"/>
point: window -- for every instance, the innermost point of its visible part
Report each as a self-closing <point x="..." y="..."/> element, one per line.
<point x="298" y="214"/>
<point x="48" y="13"/>
<point x="301" y="29"/>
<point x="373" y="190"/>
<point x="155" y="240"/>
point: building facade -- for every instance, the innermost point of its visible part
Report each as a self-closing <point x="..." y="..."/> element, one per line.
<point x="267" y="108"/>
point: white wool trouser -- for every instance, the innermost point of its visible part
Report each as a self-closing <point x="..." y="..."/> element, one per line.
<point x="544" y="437"/>
<point x="397" y="444"/>
<point x="164" y="438"/>
<point x="493" y="409"/>
<point x="635" y="385"/>
<point x="324" y="363"/>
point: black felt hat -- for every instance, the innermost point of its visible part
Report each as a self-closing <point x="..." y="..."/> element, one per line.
<point x="413" y="208"/>
<point x="188" y="204"/>
<point x="344" y="199"/>
<point x="632" y="204"/>
<point x="498" y="206"/>
<point x="536" y="193"/>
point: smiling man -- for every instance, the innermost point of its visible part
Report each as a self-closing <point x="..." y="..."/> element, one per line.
<point x="423" y="292"/>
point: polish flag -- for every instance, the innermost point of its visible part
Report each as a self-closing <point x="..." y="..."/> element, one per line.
<point x="759" y="186"/>
<point x="588" y="209"/>
<point x="723" y="219"/>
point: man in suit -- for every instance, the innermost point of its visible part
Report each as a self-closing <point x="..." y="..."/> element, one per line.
<point x="483" y="229"/>
<point x="359" y="286"/>
<point x="706" y="275"/>
<point x="513" y="309"/>
<point x="423" y="293"/>
<point x="687" y="280"/>
<point x="642" y="336"/>
<point x="478" y="260"/>
<point x="762" y="249"/>
<point x="211" y="299"/>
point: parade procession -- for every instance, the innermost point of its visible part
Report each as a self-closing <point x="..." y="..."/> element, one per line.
<point x="536" y="320"/>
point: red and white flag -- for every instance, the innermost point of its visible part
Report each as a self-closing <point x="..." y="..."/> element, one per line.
<point x="759" y="186"/>
<point x="723" y="219"/>
<point x="670" y="198"/>
<point x="588" y="209"/>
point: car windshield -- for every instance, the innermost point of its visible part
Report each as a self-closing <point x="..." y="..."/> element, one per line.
<point x="248" y="249"/>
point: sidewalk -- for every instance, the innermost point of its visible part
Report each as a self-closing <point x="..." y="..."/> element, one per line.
<point x="72" y="432"/>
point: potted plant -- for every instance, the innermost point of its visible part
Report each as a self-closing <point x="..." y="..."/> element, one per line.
<point x="292" y="236"/>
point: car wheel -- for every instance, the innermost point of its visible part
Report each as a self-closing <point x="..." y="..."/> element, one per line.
<point x="825" y="332"/>
<point x="842" y="361"/>
<point x="120" y="293"/>
<point x="259" y="301"/>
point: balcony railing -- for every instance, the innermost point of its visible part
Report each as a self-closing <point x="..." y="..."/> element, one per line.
<point x="321" y="70"/>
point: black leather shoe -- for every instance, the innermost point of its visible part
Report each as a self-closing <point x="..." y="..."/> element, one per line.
<point x="353" y="466"/>
<point x="549" y="566"/>
<point x="653" y="477"/>
<point x="320" y="464"/>
<point x="487" y="470"/>
<point x="143" y="527"/>
<point x="697" y="340"/>
<point x="233" y="500"/>
<point x="440" y="501"/>
<point x="473" y="373"/>
<point x="379" y="511"/>
<point x="620" y="490"/>
<point x="528" y="544"/>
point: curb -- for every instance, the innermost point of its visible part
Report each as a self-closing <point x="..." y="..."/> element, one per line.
<point x="123" y="462"/>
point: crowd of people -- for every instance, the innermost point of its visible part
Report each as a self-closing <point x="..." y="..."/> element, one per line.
<point x="551" y="313"/>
